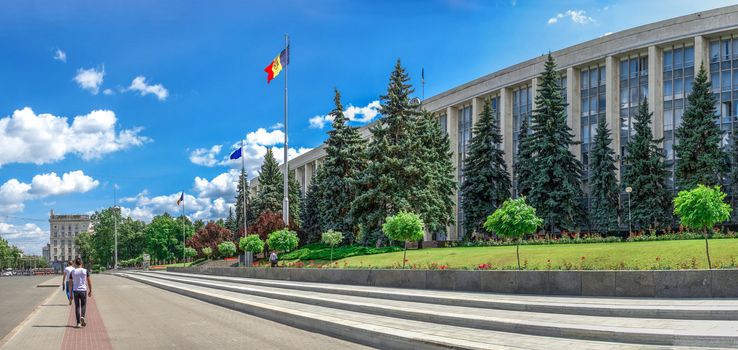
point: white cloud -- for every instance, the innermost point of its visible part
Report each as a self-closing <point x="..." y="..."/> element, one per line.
<point x="108" y="92"/>
<point x="354" y="114"/>
<point x="577" y="16"/>
<point x="223" y="185"/>
<point x="26" y="137"/>
<point x="60" y="55"/>
<point x="139" y="84"/>
<point x="276" y="126"/>
<point x="606" y="34"/>
<point x="28" y="237"/>
<point x="209" y="199"/>
<point x="90" y="79"/>
<point x="266" y="138"/>
<point x="205" y="156"/>
<point x="14" y="193"/>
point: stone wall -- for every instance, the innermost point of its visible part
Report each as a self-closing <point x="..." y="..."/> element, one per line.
<point x="658" y="284"/>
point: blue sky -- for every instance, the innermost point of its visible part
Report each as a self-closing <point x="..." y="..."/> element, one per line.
<point x="151" y="96"/>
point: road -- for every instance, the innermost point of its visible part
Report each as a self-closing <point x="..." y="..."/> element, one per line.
<point x="19" y="296"/>
<point x="139" y="316"/>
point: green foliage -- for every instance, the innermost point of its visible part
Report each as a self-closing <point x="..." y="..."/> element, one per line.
<point x="207" y="251"/>
<point x="556" y="190"/>
<point x="164" y="237"/>
<point x="267" y="223"/>
<point x="318" y="251"/>
<point x="604" y="193"/>
<point x="404" y="226"/>
<point x="251" y="243"/>
<point x="271" y="190"/>
<point x="337" y="179"/>
<point x="486" y="180"/>
<point x="514" y="220"/>
<point x="733" y="176"/>
<point x="646" y="174"/>
<point x="100" y="247"/>
<point x="701" y="207"/>
<point x="235" y="223"/>
<point x="9" y="254"/>
<point x="524" y="165"/>
<point x="227" y="249"/>
<point x="190" y="252"/>
<point x="282" y="240"/>
<point x="310" y="213"/>
<point x="700" y="156"/>
<point x="331" y="238"/>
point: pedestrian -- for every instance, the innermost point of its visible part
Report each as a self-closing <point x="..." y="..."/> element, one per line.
<point x="81" y="290"/>
<point x="66" y="281"/>
<point x="273" y="258"/>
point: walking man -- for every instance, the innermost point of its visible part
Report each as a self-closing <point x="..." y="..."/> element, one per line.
<point x="65" y="281"/>
<point x="82" y="288"/>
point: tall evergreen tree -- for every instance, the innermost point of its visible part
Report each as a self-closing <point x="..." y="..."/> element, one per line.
<point x="392" y="173"/>
<point x="486" y="180"/>
<point x="310" y="213"/>
<point x="556" y="190"/>
<point x="733" y="177"/>
<point x="603" y="184"/>
<point x="271" y="190"/>
<point x="646" y="174"/>
<point x="432" y="198"/>
<point x="344" y="161"/>
<point x="231" y="224"/>
<point x="237" y="225"/>
<point x="524" y="165"/>
<point x="700" y="159"/>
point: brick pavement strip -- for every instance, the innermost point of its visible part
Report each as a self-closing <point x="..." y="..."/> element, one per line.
<point x="92" y="337"/>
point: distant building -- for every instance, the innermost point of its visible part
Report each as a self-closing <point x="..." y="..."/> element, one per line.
<point x="45" y="253"/>
<point x="62" y="231"/>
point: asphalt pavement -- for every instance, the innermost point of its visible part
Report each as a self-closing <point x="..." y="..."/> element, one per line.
<point x="19" y="296"/>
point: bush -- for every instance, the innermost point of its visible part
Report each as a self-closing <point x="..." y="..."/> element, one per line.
<point x="514" y="219"/>
<point x="267" y="223"/>
<point x="207" y="251"/>
<point x="283" y="240"/>
<point x="331" y="238"/>
<point x="319" y="251"/>
<point x="227" y="249"/>
<point x="190" y="252"/>
<point x="405" y="227"/>
<point x="251" y="243"/>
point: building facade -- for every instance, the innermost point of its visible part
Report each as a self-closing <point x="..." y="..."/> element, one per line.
<point x="62" y="231"/>
<point x="602" y="78"/>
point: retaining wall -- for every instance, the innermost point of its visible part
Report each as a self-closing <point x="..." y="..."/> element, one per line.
<point x="658" y="284"/>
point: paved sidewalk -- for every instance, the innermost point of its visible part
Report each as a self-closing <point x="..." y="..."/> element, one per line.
<point x="93" y="337"/>
<point x="19" y="296"/>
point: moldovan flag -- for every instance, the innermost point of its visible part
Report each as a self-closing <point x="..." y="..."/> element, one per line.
<point x="277" y="63"/>
<point x="181" y="198"/>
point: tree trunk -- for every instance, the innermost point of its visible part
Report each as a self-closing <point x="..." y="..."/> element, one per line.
<point x="331" y="255"/>
<point x="517" y="252"/>
<point x="707" y="251"/>
<point x="404" y="256"/>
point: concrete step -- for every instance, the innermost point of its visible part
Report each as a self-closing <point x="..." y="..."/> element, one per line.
<point x="686" y="309"/>
<point x="373" y="330"/>
<point x="609" y="329"/>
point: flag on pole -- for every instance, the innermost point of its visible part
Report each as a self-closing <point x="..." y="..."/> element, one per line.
<point x="422" y="74"/>
<point x="237" y="153"/>
<point x="181" y="198"/>
<point x="282" y="60"/>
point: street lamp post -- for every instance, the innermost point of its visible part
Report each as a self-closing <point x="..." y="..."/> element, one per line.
<point x="630" y="220"/>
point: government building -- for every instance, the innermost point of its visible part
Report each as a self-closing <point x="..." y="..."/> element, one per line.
<point x="62" y="231"/>
<point x="602" y="78"/>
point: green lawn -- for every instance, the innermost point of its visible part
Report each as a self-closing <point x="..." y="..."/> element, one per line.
<point x="679" y="254"/>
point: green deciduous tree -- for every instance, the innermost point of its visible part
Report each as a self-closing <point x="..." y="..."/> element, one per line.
<point x="164" y="237"/>
<point x="486" y="180"/>
<point x="556" y="190"/>
<point x="700" y="159"/>
<point x="207" y="251"/>
<point x="252" y="243"/>
<point x="344" y="162"/>
<point x="646" y="174"/>
<point x="227" y="249"/>
<point x="190" y="252"/>
<point x="702" y="208"/>
<point x="603" y="183"/>
<point x="331" y="238"/>
<point x="283" y="240"/>
<point x="405" y="227"/>
<point x="514" y="219"/>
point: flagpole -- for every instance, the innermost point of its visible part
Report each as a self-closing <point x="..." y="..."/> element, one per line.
<point x="184" y="235"/>
<point x="244" y="189"/>
<point x="286" y="202"/>
<point x="115" y="224"/>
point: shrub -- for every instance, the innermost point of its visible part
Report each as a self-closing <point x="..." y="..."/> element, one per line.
<point x="210" y="236"/>
<point x="190" y="252"/>
<point x="227" y="249"/>
<point x="702" y="208"/>
<point x="513" y="220"/>
<point x="251" y="243"/>
<point x="207" y="251"/>
<point x="267" y="223"/>
<point x="404" y="227"/>
<point x="318" y="251"/>
<point x="282" y="240"/>
<point x="331" y="238"/>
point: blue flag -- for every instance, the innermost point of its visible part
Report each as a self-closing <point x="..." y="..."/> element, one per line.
<point x="237" y="153"/>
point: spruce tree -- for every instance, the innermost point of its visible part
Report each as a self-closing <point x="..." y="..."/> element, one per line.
<point x="243" y="185"/>
<point x="733" y="177"/>
<point x="392" y="173"/>
<point x="486" y="180"/>
<point x="524" y="165"/>
<point x="603" y="184"/>
<point x="344" y="161"/>
<point x="295" y="196"/>
<point x="310" y="213"/>
<point x="700" y="159"/>
<point x="432" y="198"/>
<point x="556" y="189"/>
<point x="231" y="224"/>
<point x="269" y="196"/>
<point x="645" y="172"/>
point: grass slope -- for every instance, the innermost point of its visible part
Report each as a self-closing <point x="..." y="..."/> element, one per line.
<point x="683" y="254"/>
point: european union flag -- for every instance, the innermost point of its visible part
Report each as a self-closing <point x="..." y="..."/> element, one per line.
<point x="237" y="153"/>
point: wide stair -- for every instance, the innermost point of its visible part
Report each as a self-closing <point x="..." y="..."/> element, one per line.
<point x="391" y="318"/>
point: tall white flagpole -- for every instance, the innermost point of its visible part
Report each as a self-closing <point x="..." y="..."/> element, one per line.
<point x="286" y="202"/>
<point x="184" y="235"/>
<point x="115" y="223"/>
